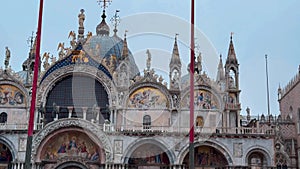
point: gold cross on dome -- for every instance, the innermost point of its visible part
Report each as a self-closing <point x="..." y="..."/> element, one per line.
<point x="105" y="3"/>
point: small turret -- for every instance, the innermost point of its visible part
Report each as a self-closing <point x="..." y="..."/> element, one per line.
<point x="125" y="48"/>
<point x="231" y="57"/>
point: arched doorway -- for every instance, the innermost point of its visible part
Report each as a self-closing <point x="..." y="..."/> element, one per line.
<point x="71" y="148"/>
<point x="257" y="160"/>
<point x="5" y="156"/>
<point x="207" y="157"/>
<point x="72" y="165"/>
<point x="148" y="154"/>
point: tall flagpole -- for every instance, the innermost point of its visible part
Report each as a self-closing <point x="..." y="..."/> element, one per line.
<point x="34" y="86"/>
<point x="192" y="64"/>
<point x="268" y="95"/>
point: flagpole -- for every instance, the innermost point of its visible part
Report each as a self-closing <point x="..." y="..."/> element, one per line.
<point x="34" y="86"/>
<point x="192" y="64"/>
<point x="268" y="95"/>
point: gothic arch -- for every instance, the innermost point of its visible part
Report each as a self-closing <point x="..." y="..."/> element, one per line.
<point x="84" y="70"/>
<point x="139" y="142"/>
<point x="91" y="129"/>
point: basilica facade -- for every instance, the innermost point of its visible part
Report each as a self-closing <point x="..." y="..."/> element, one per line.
<point x="96" y="110"/>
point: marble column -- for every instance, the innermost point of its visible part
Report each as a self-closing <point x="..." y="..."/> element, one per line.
<point x="70" y="109"/>
<point x="84" y="110"/>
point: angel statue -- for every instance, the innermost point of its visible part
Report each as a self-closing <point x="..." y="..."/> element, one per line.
<point x="61" y="48"/>
<point x="72" y="35"/>
<point x="53" y="59"/>
<point x="46" y="56"/>
<point x="89" y="35"/>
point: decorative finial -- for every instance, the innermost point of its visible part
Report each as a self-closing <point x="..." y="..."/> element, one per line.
<point x="30" y="40"/>
<point x="105" y="3"/>
<point x="231" y="34"/>
<point x="115" y="21"/>
<point x="125" y="34"/>
<point x="176" y="35"/>
<point x="7" y="57"/>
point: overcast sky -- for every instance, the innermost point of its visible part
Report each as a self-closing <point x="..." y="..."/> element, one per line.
<point x="269" y="27"/>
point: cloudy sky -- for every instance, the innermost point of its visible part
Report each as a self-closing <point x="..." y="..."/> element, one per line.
<point x="269" y="27"/>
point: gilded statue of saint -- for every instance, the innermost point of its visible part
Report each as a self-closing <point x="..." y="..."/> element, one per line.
<point x="81" y="18"/>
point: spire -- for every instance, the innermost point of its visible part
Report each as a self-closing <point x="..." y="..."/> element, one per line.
<point x="125" y="47"/>
<point x="220" y="74"/>
<point x="175" y="68"/>
<point x="231" y="57"/>
<point x="175" y="60"/>
<point x="29" y="62"/>
<point x="279" y="92"/>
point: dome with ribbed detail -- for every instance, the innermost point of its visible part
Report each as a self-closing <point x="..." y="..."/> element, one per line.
<point x="106" y="47"/>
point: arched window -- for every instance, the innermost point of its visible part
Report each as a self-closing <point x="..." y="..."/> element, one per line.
<point x="146" y="122"/>
<point x="3" y="117"/>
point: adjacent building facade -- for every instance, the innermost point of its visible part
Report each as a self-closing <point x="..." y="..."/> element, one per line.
<point x="96" y="110"/>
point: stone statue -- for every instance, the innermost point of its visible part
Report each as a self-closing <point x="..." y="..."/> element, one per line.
<point x="55" y="110"/>
<point x="175" y="80"/>
<point x="53" y="59"/>
<point x="73" y="42"/>
<point x="81" y="18"/>
<point x="148" y="60"/>
<point x="95" y="111"/>
<point x="89" y="35"/>
<point x="61" y="48"/>
<point x="46" y="62"/>
<point x="198" y="66"/>
<point x="7" y="57"/>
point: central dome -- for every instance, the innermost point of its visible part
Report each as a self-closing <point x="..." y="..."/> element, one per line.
<point x="104" y="48"/>
<point x="109" y="49"/>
